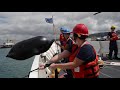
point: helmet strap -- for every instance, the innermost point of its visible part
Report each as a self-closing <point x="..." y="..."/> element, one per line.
<point x="79" y="35"/>
<point x="75" y="36"/>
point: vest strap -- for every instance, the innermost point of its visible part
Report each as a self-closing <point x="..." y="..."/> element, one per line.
<point x="93" y="74"/>
<point x="86" y="68"/>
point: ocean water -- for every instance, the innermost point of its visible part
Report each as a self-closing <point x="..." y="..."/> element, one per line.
<point x="10" y="68"/>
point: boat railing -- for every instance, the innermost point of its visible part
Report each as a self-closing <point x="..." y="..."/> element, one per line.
<point x="102" y="47"/>
<point x="47" y="56"/>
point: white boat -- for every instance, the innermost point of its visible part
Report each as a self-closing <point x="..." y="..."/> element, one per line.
<point x="42" y="59"/>
<point x="7" y="44"/>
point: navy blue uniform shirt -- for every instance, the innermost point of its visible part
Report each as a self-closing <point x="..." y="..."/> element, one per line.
<point x="86" y="53"/>
<point x="69" y="43"/>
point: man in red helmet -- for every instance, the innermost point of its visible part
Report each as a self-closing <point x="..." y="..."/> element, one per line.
<point x="83" y="60"/>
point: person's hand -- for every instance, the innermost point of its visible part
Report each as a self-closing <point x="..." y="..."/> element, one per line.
<point x="118" y="38"/>
<point x="57" y="43"/>
<point x="62" y="47"/>
<point x="53" y="66"/>
<point x="42" y="66"/>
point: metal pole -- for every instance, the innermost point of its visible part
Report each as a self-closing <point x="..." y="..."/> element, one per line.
<point x="56" y="72"/>
<point x="100" y="50"/>
<point x="54" y="29"/>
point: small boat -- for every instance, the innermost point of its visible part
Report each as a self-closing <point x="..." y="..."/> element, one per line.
<point x="7" y="44"/>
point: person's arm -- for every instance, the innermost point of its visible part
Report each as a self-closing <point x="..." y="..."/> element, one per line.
<point x="60" y="45"/>
<point x="111" y="38"/>
<point x="108" y="36"/>
<point x="69" y="45"/>
<point x="58" y="57"/>
<point x="66" y="47"/>
<point x="70" y="65"/>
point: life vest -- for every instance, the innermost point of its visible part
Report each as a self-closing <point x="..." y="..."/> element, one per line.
<point x="88" y="69"/>
<point x="62" y="40"/>
<point x="114" y="36"/>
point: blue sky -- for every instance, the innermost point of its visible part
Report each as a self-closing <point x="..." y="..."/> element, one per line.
<point x="23" y="25"/>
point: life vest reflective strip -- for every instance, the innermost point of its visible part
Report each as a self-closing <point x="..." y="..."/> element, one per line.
<point x="67" y="41"/>
<point x="88" y="69"/>
<point x="71" y="40"/>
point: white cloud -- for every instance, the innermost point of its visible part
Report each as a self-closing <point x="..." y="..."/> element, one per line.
<point x="23" y="25"/>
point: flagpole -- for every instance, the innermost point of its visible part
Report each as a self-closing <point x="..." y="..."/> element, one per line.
<point x="56" y="71"/>
<point x="55" y="34"/>
<point x="54" y="28"/>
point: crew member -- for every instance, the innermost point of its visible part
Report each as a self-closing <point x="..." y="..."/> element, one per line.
<point x="113" y="37"/>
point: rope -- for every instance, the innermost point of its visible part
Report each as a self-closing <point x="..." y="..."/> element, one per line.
<point x="30" y="72"/>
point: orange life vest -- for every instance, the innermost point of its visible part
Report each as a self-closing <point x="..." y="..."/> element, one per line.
<point x="87" y="70"/>
<point x="114" y="36"/>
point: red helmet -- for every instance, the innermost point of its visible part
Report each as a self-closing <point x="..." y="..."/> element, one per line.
<point x="80" y="29"/>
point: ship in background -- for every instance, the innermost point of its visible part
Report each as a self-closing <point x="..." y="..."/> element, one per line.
<point x="7" y="44"/>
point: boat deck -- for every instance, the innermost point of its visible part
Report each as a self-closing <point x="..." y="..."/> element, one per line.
<point x="111" y="71"/>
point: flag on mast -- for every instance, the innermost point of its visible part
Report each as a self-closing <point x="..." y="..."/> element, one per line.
<point x="49" y="20"/>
